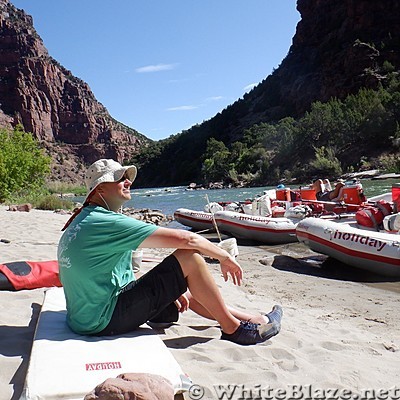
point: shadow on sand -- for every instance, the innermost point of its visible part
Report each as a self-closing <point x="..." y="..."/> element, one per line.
<point x="16" y="341"/>
<point x="327" y="267"/>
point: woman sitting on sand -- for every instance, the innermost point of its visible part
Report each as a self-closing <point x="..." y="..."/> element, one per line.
<point x="102" y="294"/>
<point x="324" y="192"/>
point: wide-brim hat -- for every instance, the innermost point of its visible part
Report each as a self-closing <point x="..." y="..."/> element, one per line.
<point x="107" y="170"/>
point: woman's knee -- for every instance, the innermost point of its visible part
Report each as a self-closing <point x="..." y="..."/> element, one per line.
<point x="317" y="185"/>
<point x="186" y="255"/>
<point x="188" y="259"/>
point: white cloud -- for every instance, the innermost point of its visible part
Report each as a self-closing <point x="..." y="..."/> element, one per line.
<point x="155" y="68"/>
<point x="182" y="108"/>
<point x="249" y="87"/>
<point x="214" y="98"/>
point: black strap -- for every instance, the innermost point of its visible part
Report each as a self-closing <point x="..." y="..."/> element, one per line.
<point x="5" y="284"/>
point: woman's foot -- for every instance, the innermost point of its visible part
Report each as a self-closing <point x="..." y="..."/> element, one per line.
<point x="258" y="329"/>
<point x="274" y="315"/>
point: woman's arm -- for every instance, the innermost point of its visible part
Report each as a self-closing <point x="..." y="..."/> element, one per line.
<point x="181" y="239"/>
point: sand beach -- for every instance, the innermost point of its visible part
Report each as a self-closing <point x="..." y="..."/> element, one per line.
<point x="340" y="333"/>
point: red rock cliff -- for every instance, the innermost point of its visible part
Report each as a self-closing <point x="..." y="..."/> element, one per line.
<point x="58" y="108"/>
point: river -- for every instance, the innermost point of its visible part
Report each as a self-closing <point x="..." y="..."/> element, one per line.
<point x="168" y="199"/>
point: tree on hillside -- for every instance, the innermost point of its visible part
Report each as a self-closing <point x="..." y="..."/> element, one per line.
<point x="23" y="164"/>
<point x="325" y="163"/>
<point x="216" y="161"/>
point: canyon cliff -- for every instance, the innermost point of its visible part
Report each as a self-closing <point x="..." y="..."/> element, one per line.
<point x="58" y="108"/>
<point x="339" y="47"/>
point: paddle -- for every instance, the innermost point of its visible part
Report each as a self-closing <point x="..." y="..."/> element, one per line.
<point x="213" y="218"/>
<point x="229" y="245"/>
<point x="335" y="203"/>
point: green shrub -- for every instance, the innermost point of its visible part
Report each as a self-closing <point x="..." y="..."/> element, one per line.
<point x="52" y="202"/>
<point x="32" y="197"/>
<point x="388" y="66"/>
<point x="390" y="163"/>
<point x="325" y="163"/>
<point x="63" y="187"/>
<point x="23" y="164"/>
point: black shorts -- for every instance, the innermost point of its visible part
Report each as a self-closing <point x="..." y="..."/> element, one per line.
<point x="150" y="298"/>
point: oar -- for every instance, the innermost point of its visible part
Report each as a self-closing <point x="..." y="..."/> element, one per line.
<point x="335" y="203"/>
<point x="213" y="219"/>
<point x="337" y="216"/>
<point x="232" y="249"/>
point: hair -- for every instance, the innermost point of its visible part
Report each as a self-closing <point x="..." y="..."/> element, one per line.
<point x="78" y="210"/>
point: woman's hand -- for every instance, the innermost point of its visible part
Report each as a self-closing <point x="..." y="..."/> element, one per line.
<point x="229" y="266"/>
<point x="182" y="303"/>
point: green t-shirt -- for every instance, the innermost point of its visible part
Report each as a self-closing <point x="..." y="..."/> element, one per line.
<point x="95" y="261"/>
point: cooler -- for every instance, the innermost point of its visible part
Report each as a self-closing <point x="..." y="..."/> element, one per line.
<point x="307" y="193"/>
<point x="396" y="196"/>
<point x="283" y="194"/>
<point x="351" y="194"/>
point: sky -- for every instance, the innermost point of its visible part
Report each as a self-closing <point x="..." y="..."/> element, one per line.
<point x="162" y="66"/>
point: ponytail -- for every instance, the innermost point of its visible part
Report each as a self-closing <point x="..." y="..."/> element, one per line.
<point x="77" y="211"/>
<point x="74" y="215"/>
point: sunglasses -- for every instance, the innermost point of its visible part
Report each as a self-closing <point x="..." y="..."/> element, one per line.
<point x="123" y="179"/>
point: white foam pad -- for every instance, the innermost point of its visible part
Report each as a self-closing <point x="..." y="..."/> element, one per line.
<point x="66" y="365"/>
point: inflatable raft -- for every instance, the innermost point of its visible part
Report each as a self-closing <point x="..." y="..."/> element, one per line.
<point x="378" y="252"/>
<point x="203" y="220"/>
<point x="269" y="230"/>
<point x="197" y="220"/>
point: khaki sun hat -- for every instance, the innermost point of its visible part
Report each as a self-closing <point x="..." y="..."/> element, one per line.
<point x="107" y="170"/>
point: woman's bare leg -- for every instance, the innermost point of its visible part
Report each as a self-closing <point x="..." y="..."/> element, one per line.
<point x="195" y="306"/>
<point x="318" y="186"/>
<point x="205" y="292"/>
<point x="336" y="193"/>
<point x="204" y="289"/>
